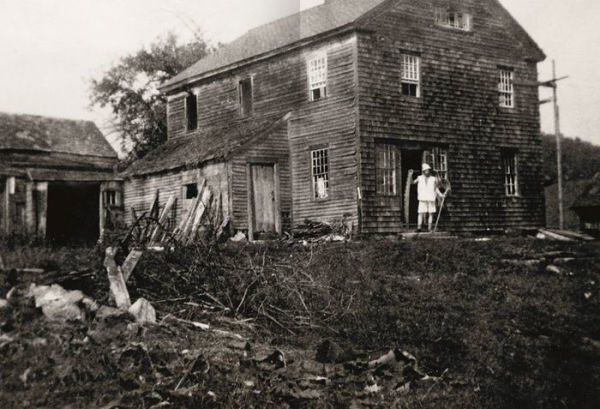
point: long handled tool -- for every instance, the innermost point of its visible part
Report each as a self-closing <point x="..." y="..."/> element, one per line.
<point x="447" y="188"/>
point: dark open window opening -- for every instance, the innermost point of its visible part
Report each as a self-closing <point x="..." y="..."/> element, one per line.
<point x="191" y="191"/>
<point x="191" y="111"/>
<point x="246" y="97"/>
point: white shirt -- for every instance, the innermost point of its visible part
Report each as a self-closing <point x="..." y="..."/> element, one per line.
<point x="426" y="187"/>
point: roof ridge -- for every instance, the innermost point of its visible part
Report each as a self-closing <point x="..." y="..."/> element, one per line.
<point x="56" y="118"/>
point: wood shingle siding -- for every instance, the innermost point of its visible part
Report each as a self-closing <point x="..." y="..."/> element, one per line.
<point x="458" y="108"/>
<point x="454" y="74"/>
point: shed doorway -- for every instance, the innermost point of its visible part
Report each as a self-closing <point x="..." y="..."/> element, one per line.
<point x="73" y="215"/>
<point x="263" y="206"/>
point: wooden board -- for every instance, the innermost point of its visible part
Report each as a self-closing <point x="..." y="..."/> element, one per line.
<point x="263" y="198"/>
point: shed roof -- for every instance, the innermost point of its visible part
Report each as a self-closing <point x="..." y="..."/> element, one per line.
<point x="331" y="15"/>
<point x="590" y="196"/>
<point x="38" y="133"/>
<point x="216" y="143"/>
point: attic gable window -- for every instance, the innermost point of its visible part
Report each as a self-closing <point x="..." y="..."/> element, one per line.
<point x="506" y="88"/>
<point x="317" y="76"/>
<point x="191" y="112"/>
<point x="246" y="96"/>
<point x="411" y="75"/>
<point x="452" y="19"/>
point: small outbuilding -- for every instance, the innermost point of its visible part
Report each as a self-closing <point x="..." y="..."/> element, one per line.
<point x="57" y="178"/>
<point x="587" y="207"/>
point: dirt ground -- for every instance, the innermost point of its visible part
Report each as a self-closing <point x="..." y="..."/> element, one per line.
<point x="466" y="323"/>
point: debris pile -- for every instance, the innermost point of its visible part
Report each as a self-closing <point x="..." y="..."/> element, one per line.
<point x="204" y="219"/>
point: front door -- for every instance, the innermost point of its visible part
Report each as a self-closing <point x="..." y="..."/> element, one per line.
<point x="264" y="213"/>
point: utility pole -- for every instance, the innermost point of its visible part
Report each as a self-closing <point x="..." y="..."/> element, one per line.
<point x="553" y="84"/>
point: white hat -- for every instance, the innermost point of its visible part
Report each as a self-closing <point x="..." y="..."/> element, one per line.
<point x="425" y="167"/>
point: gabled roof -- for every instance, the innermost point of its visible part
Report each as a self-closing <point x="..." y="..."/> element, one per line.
<point x="307" y="25"/>
<point x="331" y="15"/>
<point x="37" y="133"/>
<point x="212" y="144"/>
<point x="591" y="195"/>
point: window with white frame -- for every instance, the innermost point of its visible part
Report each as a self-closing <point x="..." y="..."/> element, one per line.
<point x="453" y="19"/>
<point x="437" y="158"/>
<point x="317" y="76"/>
<point x="510" y="164"/>
<point x="387" y="169"/>
<point x="439" y="162"/>
<point x="411" y="75"/>
<point x="320" y="173"/>
<point x="506" y="88"/>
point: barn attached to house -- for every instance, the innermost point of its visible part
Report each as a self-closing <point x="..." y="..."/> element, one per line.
<point x="56" y="178"/>
<point x="361" y="92"/>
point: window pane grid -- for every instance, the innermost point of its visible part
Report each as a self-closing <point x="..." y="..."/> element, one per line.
<point x="411" y="75"/>
<point x="317" y="72"/>
<point x="506" y="89"/>
<point x="387" y="169"/>
<point x="440" y="162"/>
<point x="320" y="173"/>
<point x="510" y="174"/>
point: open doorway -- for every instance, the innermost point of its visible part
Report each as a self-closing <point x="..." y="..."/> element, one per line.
<point x="411" y="159"/>
<point x="73" y="215"/>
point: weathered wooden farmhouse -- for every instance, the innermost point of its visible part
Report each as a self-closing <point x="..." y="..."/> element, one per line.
<point x="56" y="178"/>
<point x="320" y="115"/>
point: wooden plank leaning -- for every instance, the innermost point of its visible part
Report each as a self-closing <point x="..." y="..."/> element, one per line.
<point x="202" y="206"/>
<point x="162" y="220"/>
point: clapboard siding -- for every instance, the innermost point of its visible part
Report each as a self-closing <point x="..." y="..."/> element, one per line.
<point x="272" y="150"/>
<point x="140" y="192"/>
<point x="459" y="109"/>
<point x="280" y="85"/>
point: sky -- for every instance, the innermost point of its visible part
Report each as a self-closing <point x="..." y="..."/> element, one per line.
<point x="49" y="49"/>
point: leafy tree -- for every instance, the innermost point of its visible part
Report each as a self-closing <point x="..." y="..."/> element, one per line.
<point x="581" y="160"/>
<point x="130" y="90"/>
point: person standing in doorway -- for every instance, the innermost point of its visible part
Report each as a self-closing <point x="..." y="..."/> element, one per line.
<point x="427" y="192"/>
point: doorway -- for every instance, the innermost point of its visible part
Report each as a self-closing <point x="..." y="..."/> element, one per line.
<point x="263" y="206"/>
<point x="412" y="159"/>
<point x="73" y="215"/>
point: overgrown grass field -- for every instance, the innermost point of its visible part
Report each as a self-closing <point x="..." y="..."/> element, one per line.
<point x="504" y="329"/>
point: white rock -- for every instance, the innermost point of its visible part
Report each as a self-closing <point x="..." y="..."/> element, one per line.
<point x="143" y="311"/>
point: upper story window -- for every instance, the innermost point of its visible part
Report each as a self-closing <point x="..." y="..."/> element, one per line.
<point x="320" y="173"/>
<point x="387" y="162"/>
<point x="453" y="19"/>
<point x="411" y="75"/>
<point x="246" y="96"/>
<point x="510" y="164"/>
<point x="506" y="88"/>
<point x="317" y="76"/>
<point x="191" y="112"/>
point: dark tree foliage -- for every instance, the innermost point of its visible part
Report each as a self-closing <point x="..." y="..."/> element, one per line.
<point x="581" y="160"/>
<point x="130" y="90"/>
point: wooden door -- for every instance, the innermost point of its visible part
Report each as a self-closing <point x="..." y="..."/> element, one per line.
<point x="264" y="216"/>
